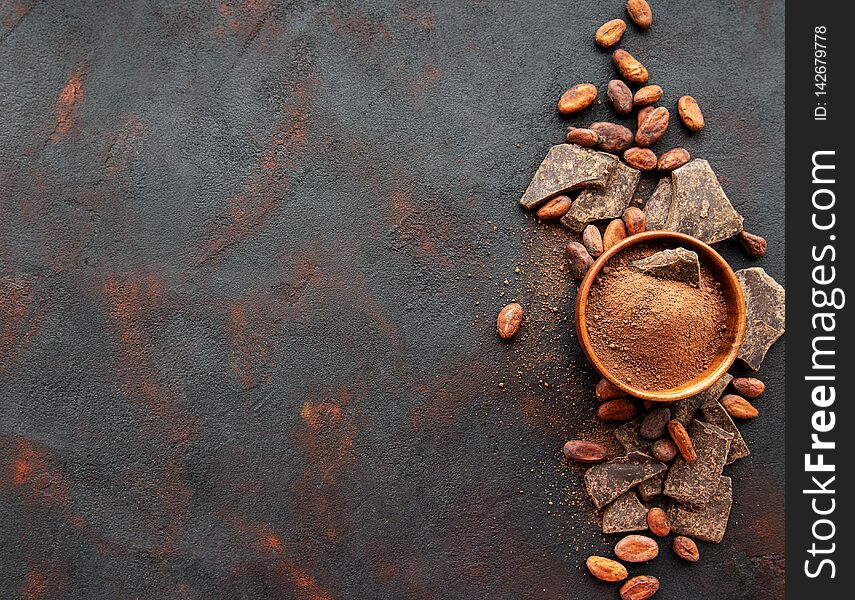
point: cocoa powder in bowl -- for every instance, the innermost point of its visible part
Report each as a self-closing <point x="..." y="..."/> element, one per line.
<point x="654" y="333"/>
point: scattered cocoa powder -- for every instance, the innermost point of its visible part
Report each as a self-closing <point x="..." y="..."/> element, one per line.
<point x="654" y="333"/>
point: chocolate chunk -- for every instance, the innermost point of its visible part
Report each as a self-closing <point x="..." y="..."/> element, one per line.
<point x="607" y="203"/>
<point x="658" y="205"/>
<point x="684" y="410"/>
<point x="625" y="514"/>
<point x="651" y="488"/>
<point x="607" y="481"/>
<point x="675" y="264"/>
<point x="654" y="422"/>
<point x="568" y="167"/>
<point x="709" y="522"/>
<point x="699" y="206"/>
<point x="694" y="483"/>
<point x="629" y="437"/>
<point x="715" y="414"/>
<point x="764" y="322"/>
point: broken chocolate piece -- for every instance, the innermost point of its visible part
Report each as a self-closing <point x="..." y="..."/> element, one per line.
<point x="626" y="513"/>
<point x="568" y="167"/>
<point x="607" y="203"/>
<point x="693" y="483"/>
<point x="629" y="437"/>
<point x="715" y="414"/>
<point x="684" y="410"/>
<point x="709" y="522"/>
<point x="658" y="205"/>
<point x="675" y="264"/>
<point x="764" y="321"/>
<point x="607" y="481"/>
<point x="699" y="206"/>
<point x="650" y="489"/>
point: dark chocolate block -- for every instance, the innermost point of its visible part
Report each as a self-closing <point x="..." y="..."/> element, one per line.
<point x="684" y="410"/>
<point x="656" y="209"/>
<point x="607" y="481"/>
<point x="699" y="207"/>
<point x="607" y="203"/>
<point x="764" y="323"/>
<point x="715" y="414"/>
<point x="626" y="513"/>
<point x="709" y="522"/>
<point x="676" y="264"/>
<point x="568" y="167"/>
<point x="693" y="483"/>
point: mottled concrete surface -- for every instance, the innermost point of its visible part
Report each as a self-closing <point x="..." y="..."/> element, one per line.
<point x="250" y="261"/>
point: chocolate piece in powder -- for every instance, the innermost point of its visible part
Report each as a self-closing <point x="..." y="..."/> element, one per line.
<point x="607" y="203"/>
<point x="684" y="410"/>
<point x="715" y="414"/>
<point x="675" y="264"/>
<point x="607" y="481"/>
<point x="568" y="167"/>
<point x="764" y="321"/>
<point x="658" y="205"/>
<point x="625" y="514"/>
<point x="699" y="206"/>
<point x="707" y="523"/>
<point x="694" y="483"/>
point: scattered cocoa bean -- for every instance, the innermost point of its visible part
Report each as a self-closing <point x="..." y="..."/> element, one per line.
<point x="615" y="232"/>
<point x="654" y="127"/>
<point x="748" y="387"/>
<point x="619" y="409"/>
<point x="754" y="245"/>
<point x="682" y="440"/>
<point x="673" y="159"/>
<point x="641" y="587"/>
<point x="606" y="390"/>
<point x="578" y="97"/>
<point x="610" y="33"/>
<point x="647" y="404"/>
<point x="554" y="209"/>
<point x="649" y="94"/>
<point x="630" y="68"/>
<point x="613" y="137"/>
<point x="664" y="450"/>
<point x="592" y="239"/>
<point x="579" y="259"/>
<point x="654" y="423"/>
<point x="738" y="407"/>
<point x="606" y="569"/>
<point x="657" y="521"/>
<point x="690" y="113"/>
<point x="509" y="321"/>
<point x="635" y="221"/>
<point x="620" y="96"/>
<point x="686" y="549"/>
<point x="637" y="548"/>
<point x="643" y="114"/>
<point x="584" y="452"/>
<point x="642" y="159"/>
<point x="584" y="137"/>
<point x="640" y="13"/>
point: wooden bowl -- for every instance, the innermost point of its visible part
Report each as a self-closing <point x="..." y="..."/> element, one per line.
<point x="735" y="301"/>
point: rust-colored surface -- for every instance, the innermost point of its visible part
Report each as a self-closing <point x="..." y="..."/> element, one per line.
<point x="251" y="256"/>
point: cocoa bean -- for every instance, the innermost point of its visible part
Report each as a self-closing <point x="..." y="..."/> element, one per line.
<point x="664" y="450"/>
<point x="682" y="440"/>
<point x="637" y="548"/>
<point x="673" y="159"/>
<point x="639" y="588"/>
<point x="640" y="13"/>
<point x="754" y="245"/>
<point x="643" y="114"/>
<point x="738" y="407"/>
<point x="630" y="68"/>
<point x="642" y="159"/>
<point x="578" y="97"/>
<point x="606" y="390"/>
<point x="690" y="113"/>
<point x="554" y="209"/>
<point x="615" y="232"/>
<point x="654" y="127"/>
<point x="649" y="94"/>
<point x="619" y="94"/>
<point x="657" y="521"/>
<point x="610" y="33"/>
<point x="509" y="320"/>
<point x="686" y="549"/>
<point x="613" y="137"/>
<point x="619" y="409"/>
<point x="583" y="137"/>
<point x="748" y="387"/>
<point x="606" y="569"/>
<point x="654" y="423"/>
<point x="578" y="259"/>
<point x="584" y="452"/>
<point x="635" y="221"/>
<point x="593" y="242"/>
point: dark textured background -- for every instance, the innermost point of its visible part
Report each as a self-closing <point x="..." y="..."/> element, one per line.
<point x="250" y="261"/>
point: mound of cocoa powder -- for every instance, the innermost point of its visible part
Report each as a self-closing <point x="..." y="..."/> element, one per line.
<point x="654" y="333"/>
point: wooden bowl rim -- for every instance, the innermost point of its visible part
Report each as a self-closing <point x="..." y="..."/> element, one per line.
<point x="708" y="254"/>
